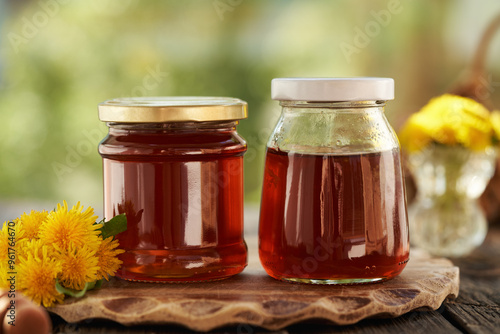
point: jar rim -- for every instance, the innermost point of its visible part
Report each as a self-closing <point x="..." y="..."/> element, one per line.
<point x="334" y="105"/>
<point x="161" y="109"/>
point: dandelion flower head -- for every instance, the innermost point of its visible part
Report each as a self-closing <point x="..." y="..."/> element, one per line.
<point x="64" y="227"/>
<point x="31" y="223"/>
<point x="108" y="260"/>
<point x="79" y="266"/>
<point x="37" y="271"/>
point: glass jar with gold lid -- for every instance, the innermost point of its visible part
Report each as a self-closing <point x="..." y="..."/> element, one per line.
<point x="174" y="166"/>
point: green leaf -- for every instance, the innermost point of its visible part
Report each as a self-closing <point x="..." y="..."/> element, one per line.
<point x="98" y="284"/>
<point x="115" y="225"/>
<point x="71" y="292"/>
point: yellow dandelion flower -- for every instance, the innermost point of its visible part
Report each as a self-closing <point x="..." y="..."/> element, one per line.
<point x="4" y="275"/>
<point x="87" y="214"/>
<point x="4" y="243"/>
<point x="37" y="272"/>
<point x="31" y="223"/>
<point x="10" y="234"/>
<point x="475" y="139"/>
<point x="79" y="266"/>
<point x="415" y="134"/>
<point x="445" y="104"/>
<point x="65" y="227"/>
<point x="450" y="120"/>
<point x="108" y="261"/>
<point x="446" y="134"/>
<point x="34" y="247"/>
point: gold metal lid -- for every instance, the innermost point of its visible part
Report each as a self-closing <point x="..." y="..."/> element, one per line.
<point x="172" y="109"/>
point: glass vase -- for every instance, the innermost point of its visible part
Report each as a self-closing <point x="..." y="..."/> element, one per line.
<point x="445" y="218"/>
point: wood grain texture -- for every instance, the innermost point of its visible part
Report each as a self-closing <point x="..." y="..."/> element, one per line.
<point x="475" y="318"/>
<point x="253" y="298"/>
<point x="477" y="309"/>
<point x="416" y="322"/>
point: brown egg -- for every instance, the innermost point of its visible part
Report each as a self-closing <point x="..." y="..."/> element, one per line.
<point x="29" y="318"/>
<point x="5" y="303"/>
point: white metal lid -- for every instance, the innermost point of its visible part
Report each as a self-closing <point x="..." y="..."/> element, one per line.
<point x="332" y="89"/>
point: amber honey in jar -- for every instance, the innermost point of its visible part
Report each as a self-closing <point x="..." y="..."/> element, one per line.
<point x="174" y="166"/>
<point x="333" y="207"/>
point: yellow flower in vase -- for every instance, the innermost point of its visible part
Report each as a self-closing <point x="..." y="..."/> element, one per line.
<point x="108" y="261"/>
<point x="449" y="120"/>
<point x="30" y="223"/>
<point x="79" y="266"/>
<point x="415" y="135"/>
<point x="495" y="123"/>
<point x="451" y="166"/>
<point x="64" y="227"/>
<point x="36" y="274"/>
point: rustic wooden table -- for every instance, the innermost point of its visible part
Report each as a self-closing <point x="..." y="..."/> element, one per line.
<point x="476" y="310"/>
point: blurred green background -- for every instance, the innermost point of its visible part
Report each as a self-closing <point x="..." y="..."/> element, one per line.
<point x="60" y="58"/>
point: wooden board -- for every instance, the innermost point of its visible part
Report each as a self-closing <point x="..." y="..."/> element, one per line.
<point x="256" y="299"/>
